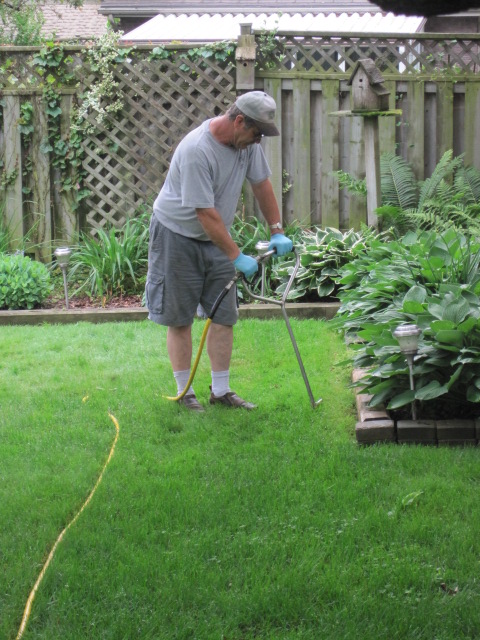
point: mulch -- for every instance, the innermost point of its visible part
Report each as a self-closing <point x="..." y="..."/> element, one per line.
<point x="85" y="302"/>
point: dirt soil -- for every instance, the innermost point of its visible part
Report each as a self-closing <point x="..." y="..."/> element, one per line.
<point x="84" y="302"/>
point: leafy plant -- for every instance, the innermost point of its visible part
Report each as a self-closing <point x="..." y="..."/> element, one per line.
<point x="114" y="262"/>
<point x="24" y="283"/>
<point x="432" y="281"/>
<point x="450" y="198"/>
<point x="323" y="253"/>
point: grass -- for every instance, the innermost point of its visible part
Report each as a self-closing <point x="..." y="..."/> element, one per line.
<point x="270" y="524"/>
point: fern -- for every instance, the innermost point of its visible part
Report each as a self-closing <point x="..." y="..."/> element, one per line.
<point x="397" y="182"/>
<point x="445" y="168"/>
<point x="467" y="181"/>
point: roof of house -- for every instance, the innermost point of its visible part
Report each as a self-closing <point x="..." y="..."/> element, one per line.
<point x="209" y="27"/>
<point x="67" y="23"/>
<point x="155" y="7"/>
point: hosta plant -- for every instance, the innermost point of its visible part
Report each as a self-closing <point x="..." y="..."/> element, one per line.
<point x="322" y="254"/>
<point x="373" y="284"/>
<point x="432" y="281"/>
<point x="447" y="366"/>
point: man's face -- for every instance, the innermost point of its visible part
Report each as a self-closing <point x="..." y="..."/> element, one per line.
<point x="245" y="136"/>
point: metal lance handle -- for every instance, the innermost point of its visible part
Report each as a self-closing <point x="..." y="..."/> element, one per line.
<point x="281" y="303"/>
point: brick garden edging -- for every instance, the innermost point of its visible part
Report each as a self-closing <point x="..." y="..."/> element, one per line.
<point x="375" y="425"/>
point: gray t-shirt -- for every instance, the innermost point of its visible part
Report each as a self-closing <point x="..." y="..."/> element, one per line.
<point x="205" y="173"/>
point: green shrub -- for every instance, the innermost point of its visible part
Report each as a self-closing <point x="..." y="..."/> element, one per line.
<point x="24" y="283"/>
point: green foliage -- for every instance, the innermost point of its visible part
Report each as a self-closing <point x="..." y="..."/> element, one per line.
<point x="352" y="185"/>
<point x="323" y="253"/>
<point x="246" y="233"/>
<point x="269" y="48"/>
<point x="5" y="236"/>
<point x="431" y="280"/>
<point x="114" y="262"/>
<point x="102" y="98"/>
<point x="398" y="184"/>
<point x="20" y="23"/>
<point x="450" y="198"/>
<point x="220" y="51"/>
<point x="24" y="283"/>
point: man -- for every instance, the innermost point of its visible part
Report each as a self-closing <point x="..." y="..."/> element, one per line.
<point x="191" y="253"/>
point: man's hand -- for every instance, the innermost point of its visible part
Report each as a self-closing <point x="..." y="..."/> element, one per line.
<point x="281" y="243"/>
<point x="246" y="264"/>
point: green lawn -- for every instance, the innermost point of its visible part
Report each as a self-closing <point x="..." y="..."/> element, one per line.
<point x="229" y="525"/>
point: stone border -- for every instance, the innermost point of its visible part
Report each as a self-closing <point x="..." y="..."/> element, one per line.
<point x="376" y="426"/>
<point x="62" y="316"/>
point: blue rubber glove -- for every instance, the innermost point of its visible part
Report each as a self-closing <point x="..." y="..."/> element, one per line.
<point x="246" y="264"/>
<point x="281" y="243"/>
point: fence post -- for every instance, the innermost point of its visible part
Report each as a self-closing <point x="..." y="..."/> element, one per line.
<point x="13" y="171"/>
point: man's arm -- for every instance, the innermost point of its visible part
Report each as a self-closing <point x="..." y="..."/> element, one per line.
<point x="263" y="192"/>
<point x="215" y="229"/>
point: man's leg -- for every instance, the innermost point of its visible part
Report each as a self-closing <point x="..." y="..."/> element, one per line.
<point x="219" y="347"/>
<point x="179" y="347"/>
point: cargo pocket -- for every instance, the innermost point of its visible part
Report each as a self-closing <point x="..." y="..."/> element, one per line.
<point x="154" y="293"/>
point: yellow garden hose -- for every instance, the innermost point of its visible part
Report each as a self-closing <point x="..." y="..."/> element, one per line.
<point x="28" y="606"/>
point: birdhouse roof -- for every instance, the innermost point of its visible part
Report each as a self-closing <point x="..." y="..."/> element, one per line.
<point x="373" y="74"/>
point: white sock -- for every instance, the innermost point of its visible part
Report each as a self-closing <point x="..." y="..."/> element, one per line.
<point x="220" y="382"/>
<point x="181" y="378"/>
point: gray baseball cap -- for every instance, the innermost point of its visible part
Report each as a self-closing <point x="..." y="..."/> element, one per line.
<point x="261" y="107"/>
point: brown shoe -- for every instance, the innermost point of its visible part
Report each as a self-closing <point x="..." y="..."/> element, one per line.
<point x="230" y="399"/>
<point x="190" y="402"/>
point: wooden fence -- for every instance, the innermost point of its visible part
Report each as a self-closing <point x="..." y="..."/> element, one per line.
<point x="433" y="79"/>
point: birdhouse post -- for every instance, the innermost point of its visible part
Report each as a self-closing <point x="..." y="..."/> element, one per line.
<point x="369" y="98"/>
<point x="245" y="58"/>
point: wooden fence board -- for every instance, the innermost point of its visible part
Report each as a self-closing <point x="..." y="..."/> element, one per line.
<point x="472" y="123"/>
<point x="12" y="166"/>
<point x="388" y="125"/>
<point x="315" y="158"/>
<point x="301" y="151"/>
<point x="41" y="183"/>
<point x="287" y="155"/>
<point x="357" y="204"/>
<point x="416" y="127"/>
<point x="273" y="145"/>
<point x="444" y="118"/>
<point x="330" y="195"/>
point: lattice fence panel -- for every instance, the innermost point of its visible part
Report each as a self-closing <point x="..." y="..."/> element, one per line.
<point x="327" y="54"/>
<point x="127" y="160"/>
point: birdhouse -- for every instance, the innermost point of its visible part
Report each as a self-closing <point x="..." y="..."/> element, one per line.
<point x="245" y="58"/>
<point x="368" y="92"/>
